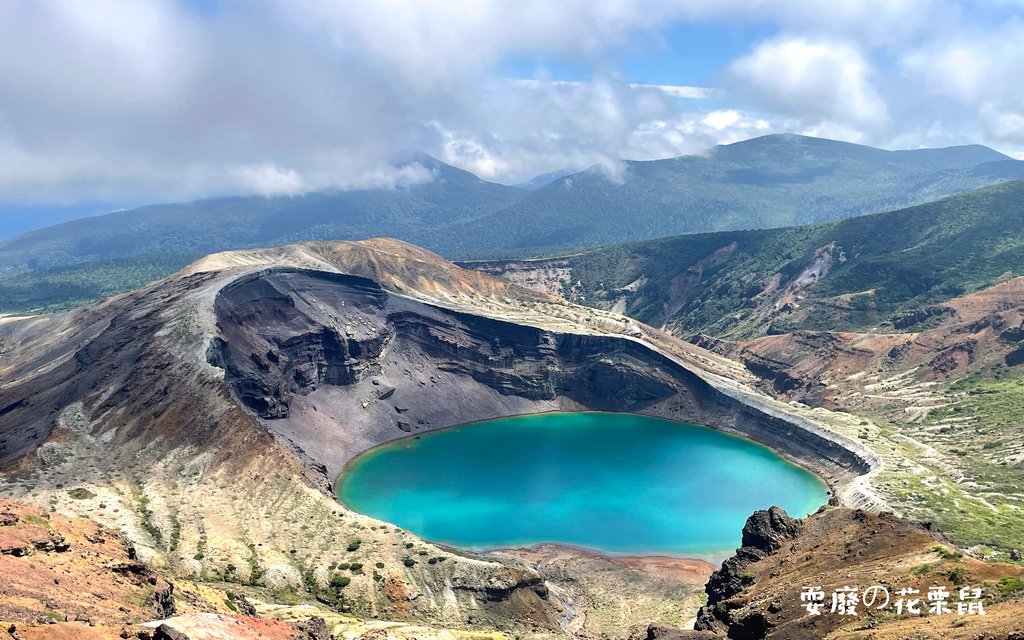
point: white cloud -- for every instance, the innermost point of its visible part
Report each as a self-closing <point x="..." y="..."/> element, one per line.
<point x="976" y="75"/>
<point x="671" y="90"/>
<point x="148" y="100"/>
<point x="724" y="119"/>
<point x="1004" y="125"/>
<point x="268" y="180"/>
<point x="681" y="91"/>
<point x="818" y="80"/>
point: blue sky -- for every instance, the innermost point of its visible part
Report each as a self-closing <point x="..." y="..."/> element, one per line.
<point x="680" y="53"/>
<point x="113" y="102"/>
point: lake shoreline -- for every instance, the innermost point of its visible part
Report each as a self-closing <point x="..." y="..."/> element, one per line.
<point x="690" y="570"/>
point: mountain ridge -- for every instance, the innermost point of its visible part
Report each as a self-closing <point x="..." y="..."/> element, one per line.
<point x="761" y="183"/>
<point x="772" y="181"/>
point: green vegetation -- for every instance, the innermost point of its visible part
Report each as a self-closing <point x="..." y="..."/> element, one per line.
<point x="957" y="575"/>
<point x="81" y="493"/>
<point x="1010" y="585"/>
<point x="66" y="287"/>
<point x="968" y="521"/>
<point x="989" y="408"/>
<point x="35" y="520"/>
<point x="882" y="265"/>
<point x="923" y="569"/>
<point x="339" y="581"/>
<point x="947" y="554"/>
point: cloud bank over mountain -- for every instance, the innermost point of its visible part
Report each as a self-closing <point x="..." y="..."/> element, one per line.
<point x="163" y="99"/>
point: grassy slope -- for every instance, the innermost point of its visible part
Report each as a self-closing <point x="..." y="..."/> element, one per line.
<point x="994" y="402"/>
<point x="894" y="261"/>
<point x="62" y="288"/>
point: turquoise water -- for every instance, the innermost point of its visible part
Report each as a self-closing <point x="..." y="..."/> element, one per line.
<point x="617" y="482"/>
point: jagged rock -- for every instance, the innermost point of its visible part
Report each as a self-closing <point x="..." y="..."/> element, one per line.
<point x="916" y="316"/>
<point x="898" y="351"/>
<point x="757" y="593"/>
<point x="1015" y="357"/>
<point x="658" y="631"/>
<point x="167" y="632"/>
<point x="313" y="629"/>
<point x="163" y="600"/>
<point x="53" y="543"/>
<point x="766" y="531"/>
<point x="244" y="606"/>
<point x="1013" y="335"/>
<point x="954" y="357"/>
<point x="710" y="343"/>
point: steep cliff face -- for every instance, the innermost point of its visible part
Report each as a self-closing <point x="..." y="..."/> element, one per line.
<point x="300" y="347"/>
<point x="334" y="364"/>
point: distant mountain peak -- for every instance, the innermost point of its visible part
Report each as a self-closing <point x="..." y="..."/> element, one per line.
<point x="411" y="156"/>
<point x="544" y="179"/>
<point x="980" y="152"/>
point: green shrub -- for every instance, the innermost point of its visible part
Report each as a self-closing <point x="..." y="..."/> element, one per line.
<point x="339" y="581"/>
<point x="1009" y="585"/>
<point x="958" y="575"/>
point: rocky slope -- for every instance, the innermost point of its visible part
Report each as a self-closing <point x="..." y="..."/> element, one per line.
<point x="334" y="365"/>
<point x="206" y="415"/>
<point x="69" y="578"/>
<point x="757" y="592"/>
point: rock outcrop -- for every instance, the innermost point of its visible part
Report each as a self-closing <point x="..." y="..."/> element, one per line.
<point x="50" y="561"/>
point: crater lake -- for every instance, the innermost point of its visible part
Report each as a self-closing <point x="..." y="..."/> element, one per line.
<point x="614" y="482"/>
